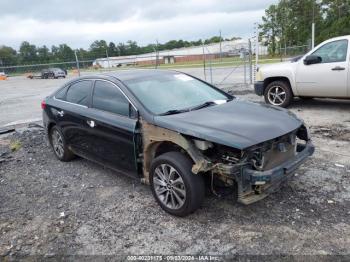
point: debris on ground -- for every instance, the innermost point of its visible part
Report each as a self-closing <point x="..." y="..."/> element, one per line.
<point x="51" y="208"/>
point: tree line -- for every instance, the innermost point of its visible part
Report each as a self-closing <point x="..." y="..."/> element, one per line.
<point x="31" y="54"/>
<point x="288" y="23"/>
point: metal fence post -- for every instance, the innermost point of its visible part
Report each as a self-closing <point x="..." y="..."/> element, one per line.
<point x="205" y="74"/>
<point x="77" y="61"/>
<point x="250" y="62"/>
<point x="109" y="65"/>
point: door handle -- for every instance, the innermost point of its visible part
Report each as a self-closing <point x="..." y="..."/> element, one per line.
<point x="338" y="68"/>
<point x="91" y="123"/>
<point x="60" y="113"/>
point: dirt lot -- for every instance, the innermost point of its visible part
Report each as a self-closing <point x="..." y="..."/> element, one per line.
<point x="79" y="208"/>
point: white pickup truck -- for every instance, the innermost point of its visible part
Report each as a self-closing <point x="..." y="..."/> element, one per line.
<point x="323" y="72"/>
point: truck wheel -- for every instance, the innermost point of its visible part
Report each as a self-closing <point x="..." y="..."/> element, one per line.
<point x="177" y="190"/>
<point x="278" y="93"/>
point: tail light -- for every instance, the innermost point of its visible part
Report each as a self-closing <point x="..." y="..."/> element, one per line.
<point x="43" y="104"/>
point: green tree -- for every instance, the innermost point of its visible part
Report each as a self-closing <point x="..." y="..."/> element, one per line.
<point x="112" y="49"/>
<point x="288" y="23"/>
<point x="98" y="48"/>
<point x="27" y="53"/>
<point x="43" y="54"/>
<point x="336" y="22"/>
<point x="132" y="48"/>
<point x="7" y="56"/>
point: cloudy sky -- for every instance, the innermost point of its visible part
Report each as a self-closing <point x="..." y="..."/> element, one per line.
<point x="79" y="22"/>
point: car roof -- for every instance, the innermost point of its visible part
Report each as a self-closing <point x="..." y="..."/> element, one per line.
<point x="125" y="75"/>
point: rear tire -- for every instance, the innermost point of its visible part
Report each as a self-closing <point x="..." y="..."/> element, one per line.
<point x="278" y="93"/>
<point x="176" y="189"/>
<point x="59" y="146"/>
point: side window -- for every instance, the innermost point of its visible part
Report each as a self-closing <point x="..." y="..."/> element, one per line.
<point x="61" y="93"/>
<point x="333" y="52"/>
<point x="78" y="93"/>
<point x="107" y="97"/>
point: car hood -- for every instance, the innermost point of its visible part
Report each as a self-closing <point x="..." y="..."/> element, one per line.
<point x="237" y="124"/>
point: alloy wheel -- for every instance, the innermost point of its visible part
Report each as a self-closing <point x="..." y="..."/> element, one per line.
<point x="57" y="143"/>
<point x="169" y="186"/>
<point x="276" y="95"/>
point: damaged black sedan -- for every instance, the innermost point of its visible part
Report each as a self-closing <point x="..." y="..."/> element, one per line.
<point x="178" y="134"/>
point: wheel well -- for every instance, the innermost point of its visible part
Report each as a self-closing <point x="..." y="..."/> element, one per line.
<point x="49" y="127"/>
<point x="269" y="80"/>
<point x="165" y="147"/>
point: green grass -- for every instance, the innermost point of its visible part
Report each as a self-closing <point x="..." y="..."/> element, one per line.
<point x="15" y="145"/>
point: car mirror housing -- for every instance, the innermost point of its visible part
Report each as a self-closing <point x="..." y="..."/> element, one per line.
<point x="312" y="59"/>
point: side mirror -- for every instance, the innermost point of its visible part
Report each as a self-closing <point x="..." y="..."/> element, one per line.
<point x="312" y="59"/>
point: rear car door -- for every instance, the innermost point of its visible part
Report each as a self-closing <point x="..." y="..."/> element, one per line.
<point x="71" y="113"/>
<point x="328" y="78"/>
<point x="112" y="124"/>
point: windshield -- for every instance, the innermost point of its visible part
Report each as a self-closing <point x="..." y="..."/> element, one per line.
<point x="162" y="93"/>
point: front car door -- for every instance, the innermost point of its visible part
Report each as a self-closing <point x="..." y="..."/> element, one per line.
<point x="328" y="78"/>
<point x="112" y="123"/>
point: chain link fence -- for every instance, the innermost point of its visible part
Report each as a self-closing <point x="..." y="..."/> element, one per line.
<point x="226" y="65"/>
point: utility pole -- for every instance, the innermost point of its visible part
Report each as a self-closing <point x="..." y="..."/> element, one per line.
<point x="313" y="24"/>
<point x="250" y="62"/>
<point x="157" y="54"/>
<point x="77" y="61"/>
<point x="256" y="45"/>
<point x="220" y="48"/>
<point x="109" y="65"/>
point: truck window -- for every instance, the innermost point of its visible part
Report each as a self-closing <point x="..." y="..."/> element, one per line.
<point x="332" y="52"/>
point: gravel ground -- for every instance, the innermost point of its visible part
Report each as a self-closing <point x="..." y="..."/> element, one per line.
<point x="50" y="208"/>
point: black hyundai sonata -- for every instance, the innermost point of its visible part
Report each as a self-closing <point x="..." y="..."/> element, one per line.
<point x="178" y="134"/>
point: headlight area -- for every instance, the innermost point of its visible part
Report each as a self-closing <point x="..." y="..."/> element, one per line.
<point x="248" y="173"/>
<point x="303" y="133"/>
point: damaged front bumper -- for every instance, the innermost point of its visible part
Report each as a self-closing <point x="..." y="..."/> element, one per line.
<point x="255" y="185"/>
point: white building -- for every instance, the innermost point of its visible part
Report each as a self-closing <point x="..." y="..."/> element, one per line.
<point x="228" y="48"/>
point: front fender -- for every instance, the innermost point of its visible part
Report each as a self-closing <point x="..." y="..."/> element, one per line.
<point x="285" y="70"/>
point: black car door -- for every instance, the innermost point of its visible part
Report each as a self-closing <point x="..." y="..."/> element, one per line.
<point x="112" y="128"/>
<point x="71" y="113"/>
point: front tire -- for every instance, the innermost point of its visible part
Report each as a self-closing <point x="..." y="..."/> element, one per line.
<point x="59" y="145"/>
<point x="176" y="189"/>
<point x="278" y="93"/>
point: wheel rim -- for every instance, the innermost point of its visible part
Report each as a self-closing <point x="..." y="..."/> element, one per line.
<point x="169" y="187"/>
<point x="276" y="95"/>
<point x="57" y="143"/>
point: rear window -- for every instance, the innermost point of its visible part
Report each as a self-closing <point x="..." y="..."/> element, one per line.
<point x="61" y="94"/>
<point x="78" y="93"/>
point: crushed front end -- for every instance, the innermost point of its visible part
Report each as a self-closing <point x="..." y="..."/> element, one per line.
<point x="261" y="169"/>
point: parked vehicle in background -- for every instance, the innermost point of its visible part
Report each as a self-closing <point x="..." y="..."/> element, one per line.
<point x="178" y="134"/>
<point x="49" y="73"/>
<point x="323" y="72"/>
<point x="53" y="72"/>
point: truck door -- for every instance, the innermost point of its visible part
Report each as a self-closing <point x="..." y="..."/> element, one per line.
<point x="329" y="78"/>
